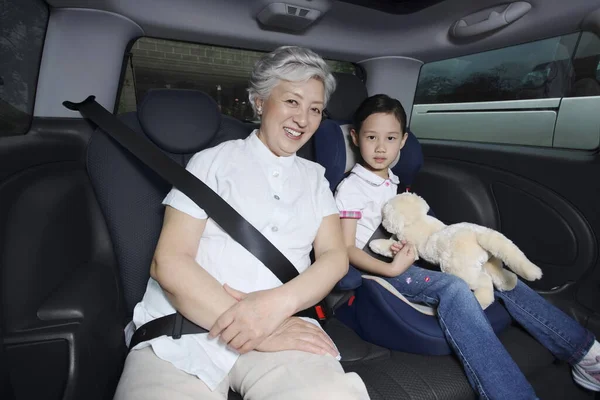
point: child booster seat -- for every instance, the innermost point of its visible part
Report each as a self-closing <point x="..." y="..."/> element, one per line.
<point x="377" y="311"/>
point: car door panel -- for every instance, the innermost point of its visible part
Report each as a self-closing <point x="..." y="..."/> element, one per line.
<point x="582" y="113"/>
<point x="525" y="122"/>
<point x="61" y="298"/>
<point x="538" y="198"/>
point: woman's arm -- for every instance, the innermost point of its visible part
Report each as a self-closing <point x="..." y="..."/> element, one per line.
<point x="331" y="264"/>
<point x="257" y="315"/>
<point x="190" y="289"/>
<point x="365" y="262"/>
<point x="202" y="299"/>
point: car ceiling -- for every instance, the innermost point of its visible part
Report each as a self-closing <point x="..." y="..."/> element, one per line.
<point x="395" y="6"/>
<point x="347" y="31"/>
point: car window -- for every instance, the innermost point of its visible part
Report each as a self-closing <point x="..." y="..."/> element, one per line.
<point x="22" y="30"/>
<point x="541" y="93"/>
<point x="221" y="72"/>
<point x="534" y="70"/>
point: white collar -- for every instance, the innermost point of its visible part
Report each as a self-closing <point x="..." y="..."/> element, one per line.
<point x="265" y="155"/>
<point x="371" y="177"/>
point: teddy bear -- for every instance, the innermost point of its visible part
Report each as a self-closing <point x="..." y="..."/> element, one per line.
<point x="470" y="251"/>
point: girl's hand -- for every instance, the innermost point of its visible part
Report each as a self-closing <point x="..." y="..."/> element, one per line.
<point x="402" y="260"/>
<point x="397" y="246"/>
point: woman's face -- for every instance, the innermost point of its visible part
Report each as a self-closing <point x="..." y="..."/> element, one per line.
<point x="291" y="115"/>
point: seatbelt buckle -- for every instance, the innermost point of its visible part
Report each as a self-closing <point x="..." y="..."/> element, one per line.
<point x="177" y="326"/>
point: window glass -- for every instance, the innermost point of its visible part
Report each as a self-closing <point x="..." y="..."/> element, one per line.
<point x="22" y="29"/>
<point x="535" y="70"/>
<point x="221" y="72"/>
<point x="586" y="67"/>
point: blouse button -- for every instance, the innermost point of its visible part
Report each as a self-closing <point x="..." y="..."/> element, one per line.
<point x="274" y="228"/>
<point x="276" y="197"/>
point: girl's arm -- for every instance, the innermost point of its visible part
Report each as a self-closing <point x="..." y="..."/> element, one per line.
<point x="363" y="261"/>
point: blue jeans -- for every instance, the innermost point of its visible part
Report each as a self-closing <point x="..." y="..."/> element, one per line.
<point x="489" y="368"/>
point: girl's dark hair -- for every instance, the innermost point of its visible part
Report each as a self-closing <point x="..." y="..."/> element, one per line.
<point x="379" y="103"/>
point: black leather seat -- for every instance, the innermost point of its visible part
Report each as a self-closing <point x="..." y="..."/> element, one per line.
<point x="180" y="123"/>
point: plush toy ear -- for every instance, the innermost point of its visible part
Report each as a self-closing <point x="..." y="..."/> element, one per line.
<point x="393" y="222"/>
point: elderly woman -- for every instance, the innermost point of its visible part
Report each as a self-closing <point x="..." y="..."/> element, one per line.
<point x="255" y="344"/>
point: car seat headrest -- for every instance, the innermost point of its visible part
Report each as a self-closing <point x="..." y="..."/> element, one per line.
<point x="349" y="93"/>
<point x="333" y="147"/>
<point x="179" y="121"/>
<point x="405" y="166"/>
<point x="410" y="161"/>
<point x="352" y="156"/>
<point x="334" y="151"/>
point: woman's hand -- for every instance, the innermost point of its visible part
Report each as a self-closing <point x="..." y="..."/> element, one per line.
<point x="298" y="334"/>
<point x="248" y="322"/>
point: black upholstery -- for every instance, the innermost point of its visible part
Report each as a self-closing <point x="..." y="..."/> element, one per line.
<point x="180" y="123"/>
<point x="62" y="320"/>
<point x="393" y="375"/>
<point x="194" y="119"/>
<point x="348" y="95"/>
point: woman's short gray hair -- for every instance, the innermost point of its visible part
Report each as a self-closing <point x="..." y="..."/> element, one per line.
<point x="290" y="63"/>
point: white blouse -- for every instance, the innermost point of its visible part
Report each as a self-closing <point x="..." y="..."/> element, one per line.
<point x="285" y="198"/>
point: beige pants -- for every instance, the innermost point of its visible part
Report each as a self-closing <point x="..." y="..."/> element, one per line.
<point x="286" y="375"/>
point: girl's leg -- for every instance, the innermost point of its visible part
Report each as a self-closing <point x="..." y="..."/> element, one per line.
<point x="489" y="368"/>
<point x="559" y="333"/>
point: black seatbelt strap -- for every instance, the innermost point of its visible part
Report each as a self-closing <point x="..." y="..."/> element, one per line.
<point x="222" y="213"/>
<point x="218" y="209"/>
<point x="381" y="233"/>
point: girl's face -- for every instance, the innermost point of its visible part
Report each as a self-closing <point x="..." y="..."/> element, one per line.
<point x="291" y="115"/>
<point x="379" y="140"/>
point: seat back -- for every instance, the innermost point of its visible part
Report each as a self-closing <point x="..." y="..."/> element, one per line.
<point x="178" y="122"/>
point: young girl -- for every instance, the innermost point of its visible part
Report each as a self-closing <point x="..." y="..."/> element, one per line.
<point x="380" y="133"/>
